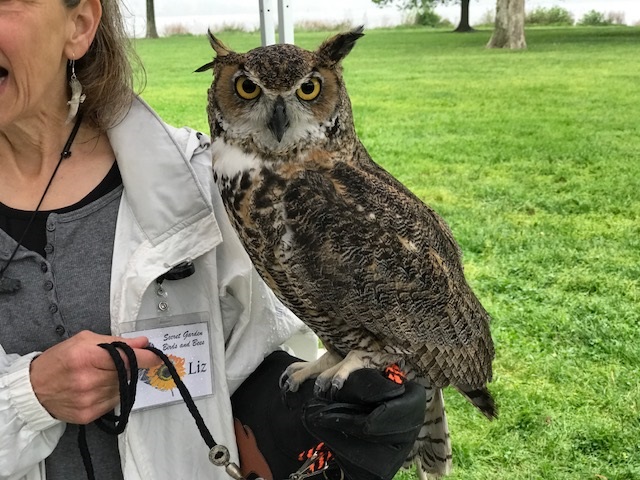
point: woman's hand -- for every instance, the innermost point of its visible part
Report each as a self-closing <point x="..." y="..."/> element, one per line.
<point x="77" y="381"/>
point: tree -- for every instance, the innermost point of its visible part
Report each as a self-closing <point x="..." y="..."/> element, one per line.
<point x="425" y="5"/>
<point x="509" y="28"/>
<point x="464" y="25"/>
<point x="152" y="32"/>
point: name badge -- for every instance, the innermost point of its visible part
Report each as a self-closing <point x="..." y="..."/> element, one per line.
<point x="188" y="347"/>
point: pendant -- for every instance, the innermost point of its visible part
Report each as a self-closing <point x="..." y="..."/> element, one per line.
<point x="77" y="97"/>
<point x="9" y="285"/>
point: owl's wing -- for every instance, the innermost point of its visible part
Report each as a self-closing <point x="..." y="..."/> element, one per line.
<point x="365" y="250"/>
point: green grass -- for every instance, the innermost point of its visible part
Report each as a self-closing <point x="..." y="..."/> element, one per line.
<point x="533" y="158"/>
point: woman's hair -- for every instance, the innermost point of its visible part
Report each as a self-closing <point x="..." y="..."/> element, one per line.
<point x="106" y="71"/>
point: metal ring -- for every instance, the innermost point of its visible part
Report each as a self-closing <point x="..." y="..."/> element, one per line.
<point x="219" y="455"/>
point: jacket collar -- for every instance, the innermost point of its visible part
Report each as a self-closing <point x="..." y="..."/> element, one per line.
<point x="154" y="158"/>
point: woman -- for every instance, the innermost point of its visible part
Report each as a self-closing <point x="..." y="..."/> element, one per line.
<point x="111" y="229"/>
<point x="89" y="260"/>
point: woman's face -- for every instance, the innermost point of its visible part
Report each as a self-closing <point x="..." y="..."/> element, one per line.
<point x="33" y="38"/>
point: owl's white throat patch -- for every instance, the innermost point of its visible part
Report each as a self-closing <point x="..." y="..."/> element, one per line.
<point x="229" y="160"/>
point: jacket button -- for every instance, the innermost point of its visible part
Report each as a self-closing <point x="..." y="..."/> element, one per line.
<point x="53" y="308"/>
<point x="48" y="248"/>
<point x="43" y="267"/>
<point x="60" y="330"/>
<point x="48" y="285"/>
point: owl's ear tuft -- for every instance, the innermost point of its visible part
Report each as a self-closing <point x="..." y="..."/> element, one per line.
<point x="219" y="47"/>
<point x="337" y="47"/>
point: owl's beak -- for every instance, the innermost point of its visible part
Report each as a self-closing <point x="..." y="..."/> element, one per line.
<point x="278" y="123"/>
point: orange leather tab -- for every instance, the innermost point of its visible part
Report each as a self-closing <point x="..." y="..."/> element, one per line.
<point x="393" y="373"/>
<point x="323" y="455"/>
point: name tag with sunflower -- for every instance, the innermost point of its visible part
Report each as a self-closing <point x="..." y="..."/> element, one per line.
<point x="188" y="347"/>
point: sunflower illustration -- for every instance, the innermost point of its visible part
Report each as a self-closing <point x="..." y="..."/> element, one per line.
<point x="159" y="376"/>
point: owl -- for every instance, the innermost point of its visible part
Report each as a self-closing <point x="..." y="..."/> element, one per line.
<point x="368" y="266"/>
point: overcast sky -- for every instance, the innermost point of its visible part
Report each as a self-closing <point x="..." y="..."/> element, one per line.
<point x="197" y="15"/>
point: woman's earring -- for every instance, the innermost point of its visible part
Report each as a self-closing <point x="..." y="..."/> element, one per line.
<point x="77" y="97"/>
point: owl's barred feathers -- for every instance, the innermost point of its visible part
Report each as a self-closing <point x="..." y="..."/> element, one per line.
<point x="350" y="250"/>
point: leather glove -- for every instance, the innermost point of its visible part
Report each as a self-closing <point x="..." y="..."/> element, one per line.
<point x="370" y="425"/>
<point x="365" y="431"/>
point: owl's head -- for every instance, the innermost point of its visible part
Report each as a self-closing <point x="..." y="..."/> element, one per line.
<point x="280" y="98"/>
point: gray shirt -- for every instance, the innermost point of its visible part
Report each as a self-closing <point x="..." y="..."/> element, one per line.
<point x="62" y="294"/>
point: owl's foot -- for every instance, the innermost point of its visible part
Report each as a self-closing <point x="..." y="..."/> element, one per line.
<point x="332" y="370"/>
<point x="333" y="378"/>
<point x="297" y="373"/>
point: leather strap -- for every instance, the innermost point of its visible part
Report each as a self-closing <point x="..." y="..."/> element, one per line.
<point x="252" y="462"/>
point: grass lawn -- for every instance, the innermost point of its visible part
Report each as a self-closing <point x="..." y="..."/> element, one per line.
<point x="533" y="158"/>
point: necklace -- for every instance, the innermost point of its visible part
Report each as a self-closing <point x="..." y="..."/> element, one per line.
<point x="12" y="285"/>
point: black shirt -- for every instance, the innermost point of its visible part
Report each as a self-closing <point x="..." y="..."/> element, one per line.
<point x="14" y="222"/>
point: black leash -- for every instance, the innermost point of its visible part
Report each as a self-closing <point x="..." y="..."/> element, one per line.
<point x="115" y="424"/>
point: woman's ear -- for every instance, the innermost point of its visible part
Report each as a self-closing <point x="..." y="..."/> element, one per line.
<point x="83" y="24"/>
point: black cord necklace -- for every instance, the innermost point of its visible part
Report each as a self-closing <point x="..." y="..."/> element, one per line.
<point x="12" y="285"/>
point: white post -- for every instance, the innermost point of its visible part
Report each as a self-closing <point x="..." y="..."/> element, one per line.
<point x="285" y="22"/>
<point x="267" y="25"/>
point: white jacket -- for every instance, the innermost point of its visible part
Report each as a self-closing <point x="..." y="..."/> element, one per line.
<point x="170" y="212"/>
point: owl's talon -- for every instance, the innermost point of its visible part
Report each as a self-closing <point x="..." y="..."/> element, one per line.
<point x="292" y="377"/>
<point x="283" y="380"/>
<point x="291" y="386"/>
<point x="288" y="384"/>
<point x="336" y="384"/>
<point x="321" y="386"/>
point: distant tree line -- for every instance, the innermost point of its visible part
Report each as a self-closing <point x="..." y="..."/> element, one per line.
<point x="558" y="16"/>
<point x="510" y="18"/>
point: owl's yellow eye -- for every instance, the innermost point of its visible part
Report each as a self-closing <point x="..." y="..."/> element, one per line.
<point x="310" y="89"/>
<point x="247" y="89"/>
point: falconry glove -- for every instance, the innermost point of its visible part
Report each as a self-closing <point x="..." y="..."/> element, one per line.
<point x="365" y="431"/>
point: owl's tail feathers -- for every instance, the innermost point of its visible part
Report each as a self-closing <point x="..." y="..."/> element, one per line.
<point x="482" y="399"/>
<point x="432" y="450"/>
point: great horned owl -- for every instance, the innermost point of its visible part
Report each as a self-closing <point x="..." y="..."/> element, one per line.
<point x="369" y="267"/>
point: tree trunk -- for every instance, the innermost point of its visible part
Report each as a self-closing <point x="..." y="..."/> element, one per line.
<point x="509" y="29"/>
<point x="464" y="26"/>
<point x="152" y="32"/>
